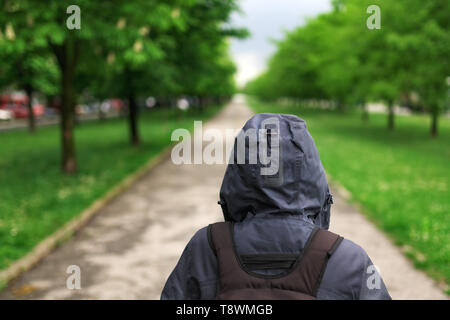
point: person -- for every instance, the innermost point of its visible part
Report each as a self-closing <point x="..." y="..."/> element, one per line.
<point x="272" y="219"/>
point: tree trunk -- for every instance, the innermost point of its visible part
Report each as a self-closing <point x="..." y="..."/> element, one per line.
<point x="391" y="116"/>
<point x="67" y="55"/>
<point x="133" y="116"/>
<point x="69" y="163"/>
<point x="101" y="114"/>
<point x="365" y="113"/>
<point x="201" y="104"/>
<point x="31" y="119"/>
<point x="340" y="106"/>
<point x="434" y="121"/>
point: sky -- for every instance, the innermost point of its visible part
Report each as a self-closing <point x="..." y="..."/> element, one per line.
<point x="266" y="20"/>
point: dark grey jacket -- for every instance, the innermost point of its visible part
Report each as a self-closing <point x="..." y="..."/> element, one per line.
<point x="276" y="214"/>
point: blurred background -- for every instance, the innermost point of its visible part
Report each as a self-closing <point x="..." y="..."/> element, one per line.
<point x="91" y="90"/>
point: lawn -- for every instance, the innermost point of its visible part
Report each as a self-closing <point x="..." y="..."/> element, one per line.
<point x="36" y="199"/>
<point x="400" y="178"/>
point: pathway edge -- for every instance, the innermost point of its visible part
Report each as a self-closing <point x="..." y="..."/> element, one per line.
<point x="48" y="244"/>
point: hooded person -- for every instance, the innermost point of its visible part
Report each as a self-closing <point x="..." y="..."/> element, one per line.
<point x="273" y="205"/>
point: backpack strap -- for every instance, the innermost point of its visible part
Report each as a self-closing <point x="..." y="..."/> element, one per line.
<point x="210" y="240"/>
<point x="219" y="236"/>
<point x="313" y="262"/>
<point x="231" y="274"/>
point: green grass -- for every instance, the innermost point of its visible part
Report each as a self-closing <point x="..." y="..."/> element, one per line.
<point x="401" y="178"/>
<point x="36" y="199"/>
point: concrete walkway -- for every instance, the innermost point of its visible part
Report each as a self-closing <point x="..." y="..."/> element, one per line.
<point x="129" y="249"/>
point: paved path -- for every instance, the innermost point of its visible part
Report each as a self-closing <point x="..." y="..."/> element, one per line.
<point x="128" y="250"/>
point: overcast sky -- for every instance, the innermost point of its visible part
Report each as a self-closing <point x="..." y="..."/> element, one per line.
<point x="266" y="19"/>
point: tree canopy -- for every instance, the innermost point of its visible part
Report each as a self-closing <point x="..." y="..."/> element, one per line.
<point x="127" y="49"/>
<point x="337" y="57"/>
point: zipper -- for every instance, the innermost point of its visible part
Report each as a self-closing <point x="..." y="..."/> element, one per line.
<point x="269" y="261"/>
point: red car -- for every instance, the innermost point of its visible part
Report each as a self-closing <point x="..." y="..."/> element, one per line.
<point x="18" y="111"/>
<point x="17" y="104"/>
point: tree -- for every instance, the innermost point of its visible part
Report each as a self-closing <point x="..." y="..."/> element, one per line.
<point x="337" y="57"/>
<point x="432" y="67"/>
<point x="204" y="69"/>
<point x="171" y="48"/>
<point x="126" y="44"/>
<point x="26" y="61"/>
<point x="67" y="46"/>
<point x="136" y="51"/>
<point x="418" y="51"/>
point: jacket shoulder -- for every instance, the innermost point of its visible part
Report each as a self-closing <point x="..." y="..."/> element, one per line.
<point x="344" y="273"/>
<point x="200" y="240"/>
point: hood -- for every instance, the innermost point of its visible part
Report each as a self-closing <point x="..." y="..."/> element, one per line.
<point x="296" y="183"/>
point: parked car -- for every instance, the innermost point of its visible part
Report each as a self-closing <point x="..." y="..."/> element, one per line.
<point x="82" y="109"/>
<point x="19" y="111"/>
<point x="117" y="104"/>
<point x="5" y="114"/>
<point x="16" y="104"/>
